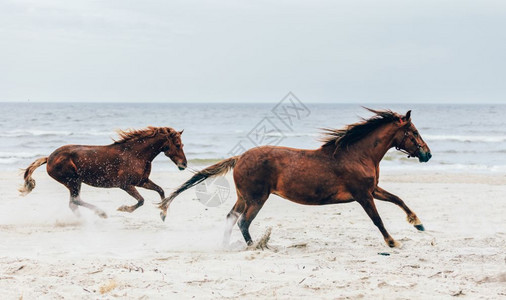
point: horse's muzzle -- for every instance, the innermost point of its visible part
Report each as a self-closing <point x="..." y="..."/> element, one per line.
<point x="424" y="156"/>
<point x="181" y="166"/>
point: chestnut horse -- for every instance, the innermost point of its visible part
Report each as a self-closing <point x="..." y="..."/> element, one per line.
<point x="125" y="164"/>
<point x="344" y="169"/>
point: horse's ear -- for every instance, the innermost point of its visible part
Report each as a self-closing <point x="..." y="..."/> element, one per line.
<point x="408" y="116"/>
<point x="404" y="119"/>
<point x="181" y="132"/>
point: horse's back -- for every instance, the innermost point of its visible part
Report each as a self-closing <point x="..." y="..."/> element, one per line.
<point x="74" y="151"/>
<point x="302" y="176"/>
<point x="275" y="158"/>
<point x="70" y="161"/>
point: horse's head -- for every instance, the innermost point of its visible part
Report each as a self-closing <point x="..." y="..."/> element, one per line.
<point x="173" y="148"/>
<point x="408" y="139"/>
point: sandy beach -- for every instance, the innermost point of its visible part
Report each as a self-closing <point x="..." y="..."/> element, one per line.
<point x="320" y="252"/>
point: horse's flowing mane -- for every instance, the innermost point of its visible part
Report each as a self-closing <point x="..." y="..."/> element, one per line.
<point x="136" y="134"/>
<point x="341" y="138"/>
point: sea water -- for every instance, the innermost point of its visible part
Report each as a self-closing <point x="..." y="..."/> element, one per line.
<point x="462" y="138"/>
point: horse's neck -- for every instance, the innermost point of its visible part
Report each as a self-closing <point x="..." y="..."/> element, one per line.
<point x="376" y="144"/>
<point x="146" y="149"/>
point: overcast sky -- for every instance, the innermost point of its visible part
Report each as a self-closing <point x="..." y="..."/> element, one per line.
<point x="244" y="51"/>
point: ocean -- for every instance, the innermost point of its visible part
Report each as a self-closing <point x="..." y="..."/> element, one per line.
<point x="470" y="138"/>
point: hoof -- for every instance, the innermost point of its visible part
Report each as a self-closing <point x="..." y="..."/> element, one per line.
<point x="162" y="215"/>
<point x="77" y="213"/>
<point x="225" y="245"/>
<point x="394" y="244"/>
<point x="102" y="215"/>
<point x="124" y="208"/>
<point x="420" y="227"/>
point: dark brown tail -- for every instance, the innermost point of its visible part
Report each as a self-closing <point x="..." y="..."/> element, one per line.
<point x="217" y="169"/>
<point x="29" y="181"/>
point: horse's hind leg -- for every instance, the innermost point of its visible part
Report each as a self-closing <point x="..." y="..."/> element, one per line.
<point x="95" y="209"/>
<point x="75" y="200"/>
<point x="383" y="195"/>
<point x="150" y="185"/>
<point x="132" y="191"/>
<point x="251" y="211"/>
<point x="246" y="219"/>
<point x="74" y="207"/>
<point x="75" y="189"/>
<point x="369" y="207"/>
<point x="232" y="218"/>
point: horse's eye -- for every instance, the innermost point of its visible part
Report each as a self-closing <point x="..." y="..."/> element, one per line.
<point x="415" y="133"/>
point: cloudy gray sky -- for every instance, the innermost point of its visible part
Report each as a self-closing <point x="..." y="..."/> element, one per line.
<point x="243" y="51"/>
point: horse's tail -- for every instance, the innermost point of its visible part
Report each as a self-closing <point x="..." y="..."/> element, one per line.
<point x="29" y="184"/>
<point x="217" y="169"/>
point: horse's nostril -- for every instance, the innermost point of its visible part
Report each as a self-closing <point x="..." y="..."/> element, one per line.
<point x="429" y="155"/>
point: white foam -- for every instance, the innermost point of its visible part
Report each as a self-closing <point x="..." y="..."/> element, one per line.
<point x="19" y="154"/>
<point x="478" y="168"/>
<point x="35" y="132"/>
<point x="8" y="161"/>
<point x="466" y="138"/>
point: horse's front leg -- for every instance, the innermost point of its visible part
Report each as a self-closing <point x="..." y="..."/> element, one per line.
<point x="150" y="185"/>
<point x="132" y="191"/>
<point x="383" y="195"/>
<point x="367" y="203"/>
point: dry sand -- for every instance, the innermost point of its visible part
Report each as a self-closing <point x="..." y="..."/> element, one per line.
<point x="320" y="252"/>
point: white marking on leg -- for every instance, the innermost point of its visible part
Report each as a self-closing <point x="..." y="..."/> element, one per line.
<point x="73" y="206"/>
<point x="98" y="211"/>
<point x="229" y="225"/>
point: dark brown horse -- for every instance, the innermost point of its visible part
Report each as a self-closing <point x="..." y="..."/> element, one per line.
<point x="344" y="169"/>
<point x="125" y="164"/>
